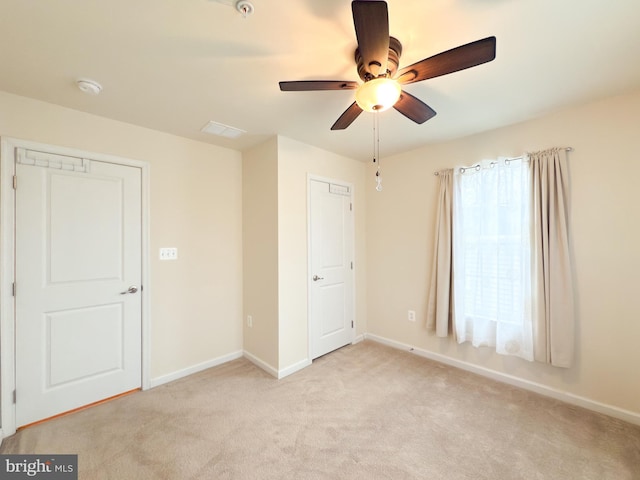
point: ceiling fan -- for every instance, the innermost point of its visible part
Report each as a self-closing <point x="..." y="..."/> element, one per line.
<point x="377" y="59"/>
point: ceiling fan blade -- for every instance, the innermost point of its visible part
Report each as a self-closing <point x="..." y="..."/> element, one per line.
<point x="347" y="118"/>
<point x="371" y="22"/>
<point x="414" y="108"/>
<point x="311" y="85"/>
<point x="459" y="58"/>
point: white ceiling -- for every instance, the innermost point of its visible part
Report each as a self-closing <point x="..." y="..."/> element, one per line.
<point x="173" y="65"/>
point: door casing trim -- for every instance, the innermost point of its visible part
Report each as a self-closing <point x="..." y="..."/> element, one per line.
<point x="7" y="267"/>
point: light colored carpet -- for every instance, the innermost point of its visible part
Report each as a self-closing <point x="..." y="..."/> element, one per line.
<point x="363" y="412"/>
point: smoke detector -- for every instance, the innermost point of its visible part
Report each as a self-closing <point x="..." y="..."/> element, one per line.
<point x="245" y="8"/>
<point x="90" y="87"/>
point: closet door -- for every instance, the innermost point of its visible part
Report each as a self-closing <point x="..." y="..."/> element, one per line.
<point x="78" y="273"/>
<point x="331" y="268"/>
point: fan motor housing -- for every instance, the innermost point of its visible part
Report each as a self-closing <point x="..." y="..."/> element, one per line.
<point x="395" y="51"/>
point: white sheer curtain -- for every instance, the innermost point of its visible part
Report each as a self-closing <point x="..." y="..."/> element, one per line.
<point x="492" y="257"/>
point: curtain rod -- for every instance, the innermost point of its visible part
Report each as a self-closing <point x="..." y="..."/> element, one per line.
<point x="566" y="149"/>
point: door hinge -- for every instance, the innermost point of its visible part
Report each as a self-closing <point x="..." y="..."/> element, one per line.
<point x="14" y="396"/>
<point x="13" y="289"/>
<point x="351" y="323"/>
<point x="15" y="182"/>
<point x="350" y="205"/>
<point x="351" y="265"/>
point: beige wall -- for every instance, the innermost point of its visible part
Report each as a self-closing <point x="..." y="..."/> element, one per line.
<point x="295" y="161"/>
<point x="195" y="205"/>
<point x="605" y="236"/>
<point x="260" y="251"/>
<point x="197" y="195"/>
<point x="275" y="247"/>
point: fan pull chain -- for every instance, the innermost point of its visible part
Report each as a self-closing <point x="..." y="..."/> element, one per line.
<point x="375" y="118"/>
<point x="376" y="150"/>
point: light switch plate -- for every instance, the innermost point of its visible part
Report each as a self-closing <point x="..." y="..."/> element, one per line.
<point x="169" y="253"/>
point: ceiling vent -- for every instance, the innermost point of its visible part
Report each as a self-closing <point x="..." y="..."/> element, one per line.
<point x="221" y="130"/>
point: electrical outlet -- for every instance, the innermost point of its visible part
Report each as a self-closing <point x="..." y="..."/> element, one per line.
<point x="249" y="321"/>
<point x="411" y="315"/>
<point x="168" y="253"/>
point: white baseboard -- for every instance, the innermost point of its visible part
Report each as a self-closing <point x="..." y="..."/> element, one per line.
<point x="258" y="362"/>
<point x="290" y="369"/>
<point x="293" y="368"/>
<point x="274" y="371"/>
<point x="194" y="369"/>
<point x="227" y="358"/>
<point x="570" y="398"/>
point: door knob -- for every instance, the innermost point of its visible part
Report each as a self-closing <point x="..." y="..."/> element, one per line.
<point x="131" y="289"/>
<point x="316" y="278"/>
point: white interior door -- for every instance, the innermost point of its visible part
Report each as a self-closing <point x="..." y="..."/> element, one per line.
<point x="78" y="247"/>
<point x="331" y="255"/>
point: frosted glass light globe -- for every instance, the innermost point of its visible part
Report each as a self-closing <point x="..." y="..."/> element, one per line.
<point x="378" y="95"/>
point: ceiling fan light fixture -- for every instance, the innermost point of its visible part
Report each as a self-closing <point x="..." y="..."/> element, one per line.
<point x="378" y="95"/>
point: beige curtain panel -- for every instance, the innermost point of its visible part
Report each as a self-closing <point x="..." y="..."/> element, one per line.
<point x="439" y="309"/>
<point x="551" y="272"/>
<point x="554" y="317"/>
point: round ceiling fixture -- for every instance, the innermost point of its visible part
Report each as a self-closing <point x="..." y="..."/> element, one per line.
<point x="90" y="87"/>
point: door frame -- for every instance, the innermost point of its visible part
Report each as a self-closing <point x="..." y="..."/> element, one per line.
<point x="342" y="183"/>
<point x="7" y="267"/>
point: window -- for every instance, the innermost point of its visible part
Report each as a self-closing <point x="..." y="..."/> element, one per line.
<point x="492" y="257"/>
